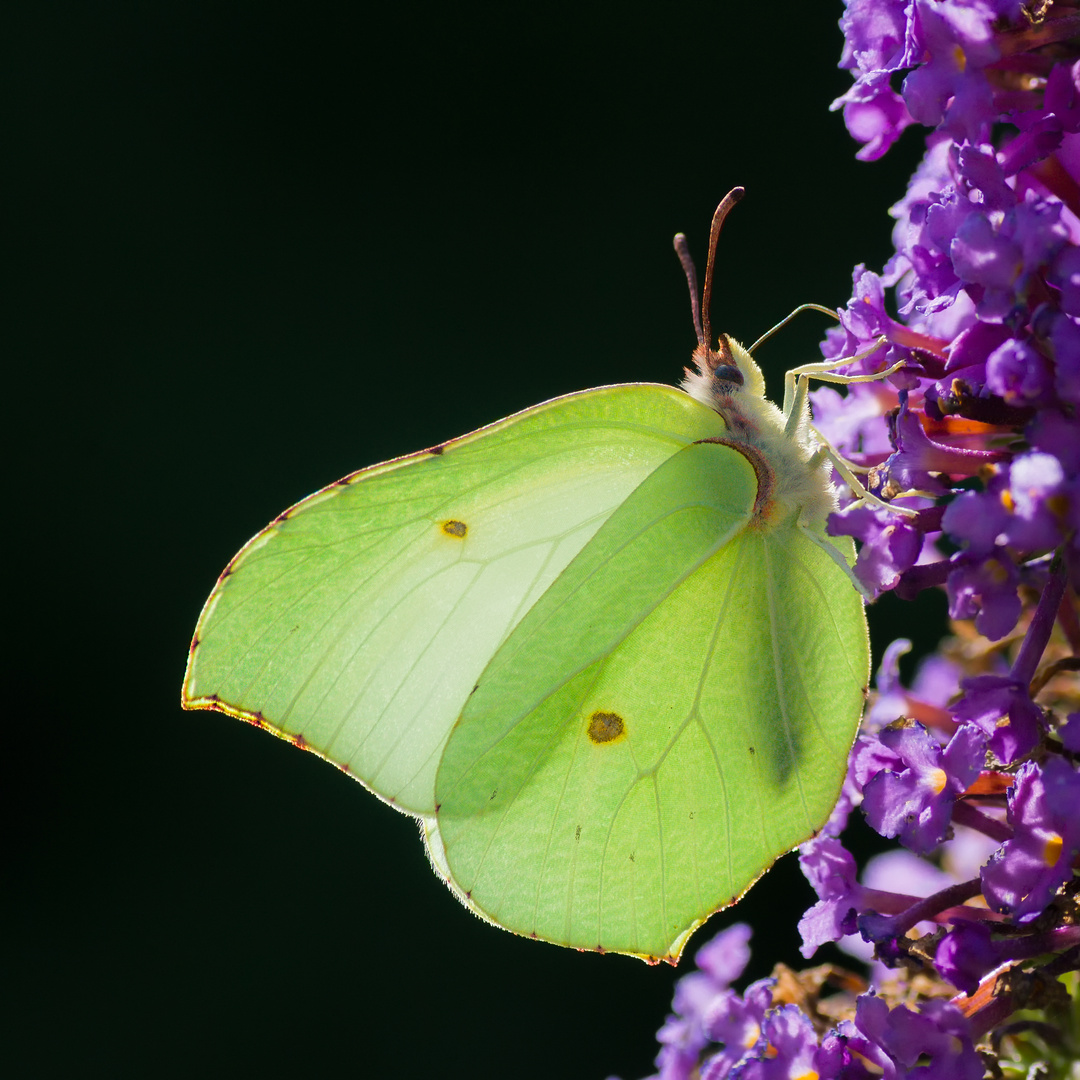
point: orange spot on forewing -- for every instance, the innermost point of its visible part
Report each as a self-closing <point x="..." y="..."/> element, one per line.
<point x="606" y="727"/>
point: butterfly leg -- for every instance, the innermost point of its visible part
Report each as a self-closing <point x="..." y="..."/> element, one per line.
<point x="796" y="388"/>
<point x="796" y="381"/>
<point x="783" y="322"/>
<point x="846" y="471"/>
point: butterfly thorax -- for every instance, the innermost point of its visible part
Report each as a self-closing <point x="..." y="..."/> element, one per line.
<point x="729" y="381"/>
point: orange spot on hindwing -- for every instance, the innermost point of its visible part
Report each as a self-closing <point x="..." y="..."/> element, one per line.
<point x="606" y="727"/>
<point x="456" y="529"/>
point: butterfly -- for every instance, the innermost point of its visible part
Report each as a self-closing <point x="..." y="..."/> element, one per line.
<point x="603" y="650"/>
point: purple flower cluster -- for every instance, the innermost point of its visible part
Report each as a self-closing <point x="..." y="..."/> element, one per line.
<point x="768" y="1032"/>
<point x="975" y="769"/>
<point x="1008" y="832"/>
<point x="977" y="437"/>
<point x="981" y="434"/>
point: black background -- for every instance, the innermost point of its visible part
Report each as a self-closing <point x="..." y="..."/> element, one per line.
<point x="257" y="246"/>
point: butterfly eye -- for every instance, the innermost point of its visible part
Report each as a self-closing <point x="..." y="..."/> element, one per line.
<point x="727" y="374"/>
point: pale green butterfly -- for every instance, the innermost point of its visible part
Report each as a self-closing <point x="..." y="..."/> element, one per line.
<point x="603" y="649"/>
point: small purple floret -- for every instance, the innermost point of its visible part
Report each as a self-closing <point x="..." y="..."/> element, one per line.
<point x="965" y="954"/>
<point x="985" y="591"/>
<point x="913" y="799"/>
<point x="1001" y="707"/>
<point x="830" y="868"/>
<point x="896" y="1039"/>
<point x="1022" y="877"/>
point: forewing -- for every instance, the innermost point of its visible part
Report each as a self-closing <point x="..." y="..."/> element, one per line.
<point x="358" y="622"/>
<point x="657" y="782"/>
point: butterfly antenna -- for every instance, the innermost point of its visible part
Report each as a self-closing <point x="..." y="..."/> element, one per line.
<point x="729" y="200"/>
<point x="691" y="279"/>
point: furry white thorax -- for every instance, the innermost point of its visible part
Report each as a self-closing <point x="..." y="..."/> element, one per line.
<point x="799" y="486"/>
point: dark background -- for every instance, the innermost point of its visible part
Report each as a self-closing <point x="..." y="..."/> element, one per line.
<point x="257" y="246"/>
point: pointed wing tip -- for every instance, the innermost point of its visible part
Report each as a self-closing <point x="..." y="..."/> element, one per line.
<point x="193" y="702"/>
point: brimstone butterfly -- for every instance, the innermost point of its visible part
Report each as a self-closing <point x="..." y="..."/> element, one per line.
<point x="603" y="649"/>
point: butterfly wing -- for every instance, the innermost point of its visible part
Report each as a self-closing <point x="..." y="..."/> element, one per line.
<point x="357" y="623"/>
<point x="666" y="721"/>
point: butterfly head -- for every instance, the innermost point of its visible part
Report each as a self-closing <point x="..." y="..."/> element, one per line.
<point x="728" y="371"/>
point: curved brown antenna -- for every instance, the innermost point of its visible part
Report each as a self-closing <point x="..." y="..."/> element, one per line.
<point x="691" y="279"/>
<point x="729" y="200"/>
